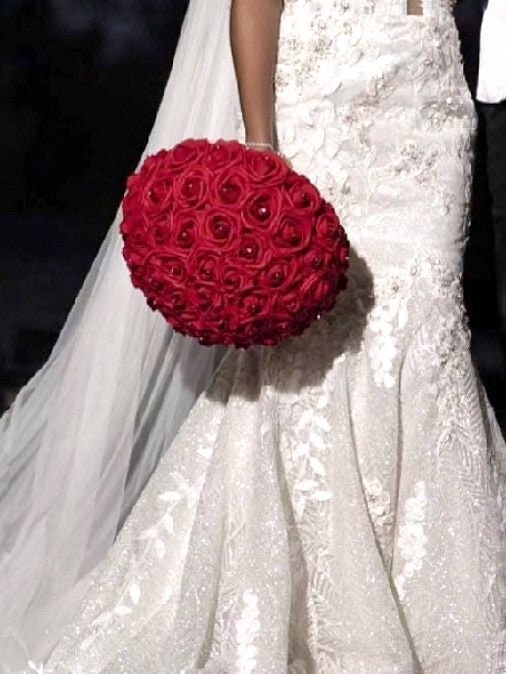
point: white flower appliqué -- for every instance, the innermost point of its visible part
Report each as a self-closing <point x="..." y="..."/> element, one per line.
<point x="247" y="629"/>
<point x="379" y="505"/>
<point x="388" y="318"/>
<point x="412" y="538"/>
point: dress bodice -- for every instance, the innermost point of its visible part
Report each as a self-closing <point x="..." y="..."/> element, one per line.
<point x="390" y="7"/>
<point x="350" y="73"/>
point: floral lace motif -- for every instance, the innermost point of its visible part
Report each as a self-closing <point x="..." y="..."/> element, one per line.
<point x="387" y="321"/>
<point x="379" y="504"/>
<point x="412" y="539"/>
<point x="247" y="629"/>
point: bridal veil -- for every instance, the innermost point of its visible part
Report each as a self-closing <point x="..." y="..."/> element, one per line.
<point x="84" y="435"/>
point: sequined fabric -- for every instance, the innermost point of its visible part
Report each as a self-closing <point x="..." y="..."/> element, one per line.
<point x="335" y="505"/>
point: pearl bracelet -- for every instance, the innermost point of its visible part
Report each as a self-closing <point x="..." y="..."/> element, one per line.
<point x="261" y="146"/>
<point x="270" y="148"/>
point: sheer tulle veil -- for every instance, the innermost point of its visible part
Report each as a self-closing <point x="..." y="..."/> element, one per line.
<point x="83" y="436"/>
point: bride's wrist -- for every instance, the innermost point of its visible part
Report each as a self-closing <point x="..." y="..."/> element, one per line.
<point x="268" y="147"/>
<point x="260" y="145"/>
<point x="260" y="136"/>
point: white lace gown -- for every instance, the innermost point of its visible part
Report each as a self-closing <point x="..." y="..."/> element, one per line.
<point x="335" y="505"/>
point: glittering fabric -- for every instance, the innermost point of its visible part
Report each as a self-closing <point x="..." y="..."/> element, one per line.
<point x="335" y="505"/>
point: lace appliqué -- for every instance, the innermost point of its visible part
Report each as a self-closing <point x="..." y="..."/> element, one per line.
<point x="379" y="505"/>
<point x="411" y="539"/>
<point x="304" y="444"/>
<point x="387" y="322"/>
<point x="247" y="629"/>
<point x="442" y="345"/>
<point x="155" y="539"/>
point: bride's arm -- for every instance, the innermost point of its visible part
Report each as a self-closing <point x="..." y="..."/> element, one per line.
<point x="254" y="32"/>
<point x="415" y="7"/>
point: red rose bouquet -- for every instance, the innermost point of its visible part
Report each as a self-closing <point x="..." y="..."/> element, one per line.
<point x="231" y="245"/>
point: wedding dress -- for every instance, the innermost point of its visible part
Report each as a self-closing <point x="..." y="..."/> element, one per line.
<point x="335" y="505"/>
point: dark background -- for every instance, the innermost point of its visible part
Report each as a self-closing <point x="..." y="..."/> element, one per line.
<point x="80" y="83"/>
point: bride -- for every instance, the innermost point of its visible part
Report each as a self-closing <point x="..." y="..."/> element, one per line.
<point x="335" y="505"/>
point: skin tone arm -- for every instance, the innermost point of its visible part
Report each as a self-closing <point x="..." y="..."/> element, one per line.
<point x="414" y="6"/>
<point x="254" y="33"/>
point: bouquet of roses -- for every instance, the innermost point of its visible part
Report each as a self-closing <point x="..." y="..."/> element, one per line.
<point x="231" y="245"/>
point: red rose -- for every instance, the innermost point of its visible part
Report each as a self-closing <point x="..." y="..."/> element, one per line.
<point x="293" y="233"/>
<point x="137" y="243"/>
<point x="252" y="252"/>
<point x="223" y="154"/>
<point x="134" y="181"/>
<point x="157" y="195"/>
<point x="205" y="265"/>
<point x="149" y="168"/>
<point x="132" y="206"/>
<point x="151" y="188"/>
<point x="317" y="259"/>
<point x="221" y="228"/>
<point x="132" y="218"/>
<point x="230" y="188"/>
<point x="202" y="298"/>
<point x="280" y="275"/>
<point x="234" y="279"/>
<point x="191" y="188"/>
<point x="175" y="301"/>
<point x="169" y="265"/>
<point x="303" y="195"/>
<point x="262" y="208"/>
<point x="159" y="288"/>
<point x="327" y="225"/>
<point x="183" y="154"/>
<point x="185" y="227"/>
<point x="207" y="299"/>
<point x="254" y="303"/>
<point x="162" y="231"/>
<point x="318" y="289"/>
<point x="290" y="303"/>
<point x="266" y="167"/>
